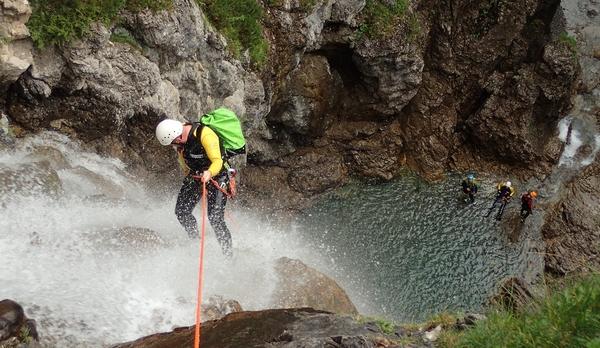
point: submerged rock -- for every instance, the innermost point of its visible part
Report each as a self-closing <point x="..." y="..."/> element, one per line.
<point x="30" y="179"/>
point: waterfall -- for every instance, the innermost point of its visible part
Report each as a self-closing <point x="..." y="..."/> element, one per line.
<point x="96" y="259"/>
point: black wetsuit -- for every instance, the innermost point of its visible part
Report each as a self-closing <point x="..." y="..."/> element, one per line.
<point x="469" y="187"/>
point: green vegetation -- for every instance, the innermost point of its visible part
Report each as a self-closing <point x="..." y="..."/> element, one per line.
<point x="240" y="22"/>
<point x="566" y="318"/>
<point x="56" y="22"/>
<point x="153" y="5"/>
<point x="386" y="326"/>
<point x="569" y="41"/>
<point x="25" y="335"/>
<point x="307" y="5"/>
<point x="126" y="38"/>
<point x="381" y="17"/>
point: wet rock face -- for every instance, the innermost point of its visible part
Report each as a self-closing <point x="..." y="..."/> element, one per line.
<point x="290" y="328"/>
<point x="572" y="229"/>
<point x="14" y="325"/>
<point x="494" y="86"/>
<point x="572" y="233"/>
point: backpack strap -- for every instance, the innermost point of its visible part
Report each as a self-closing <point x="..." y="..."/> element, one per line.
<point x="198" y="135"/>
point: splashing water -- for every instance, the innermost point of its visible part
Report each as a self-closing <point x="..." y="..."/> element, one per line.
<point x="86" y="285"/>
<point x="581" y="142"/>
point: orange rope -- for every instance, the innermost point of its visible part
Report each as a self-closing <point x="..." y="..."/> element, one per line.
<point x="200" y="269"/>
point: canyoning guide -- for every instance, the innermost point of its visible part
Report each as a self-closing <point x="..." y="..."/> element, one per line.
<point x="504" y="192"/>
<point x="202" y="157"/>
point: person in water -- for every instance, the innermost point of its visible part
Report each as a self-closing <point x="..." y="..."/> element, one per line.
<point x="527" y="204"/>
<point x="200" y="157"/>
<point x="504" y="192"/>
<point x="469" y="187"/>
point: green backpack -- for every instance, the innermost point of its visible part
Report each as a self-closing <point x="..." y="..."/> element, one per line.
<point x="225" y="123"/>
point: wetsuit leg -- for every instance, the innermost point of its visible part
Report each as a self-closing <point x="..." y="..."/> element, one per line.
<point x="501" y="210"/>
<point x="471" y="197"/>
<point x="189" y="196"/>
<point x="216" y="214"/>
<point x="525" y="211"/>
<point x="498" y="199"/>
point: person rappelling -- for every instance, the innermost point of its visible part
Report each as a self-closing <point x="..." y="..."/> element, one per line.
<point x="202" y="151"/>
<point x="469" y="188"/>
<point x="504" y="192"/>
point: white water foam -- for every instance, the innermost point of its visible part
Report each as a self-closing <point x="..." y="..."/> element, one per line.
<point x="60" y="258"/>
<point x="575" y="133"/>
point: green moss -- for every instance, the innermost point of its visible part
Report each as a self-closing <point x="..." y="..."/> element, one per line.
<point x="56" y="22"/>
<point x="153" y="5"/>
<point x="240" y="22"/>
<point x="568" y="40"/>
<point x="275" y="3"/>
<point x="307" y="5"/>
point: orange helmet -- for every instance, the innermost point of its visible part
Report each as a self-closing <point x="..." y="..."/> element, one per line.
<point x="533" y="194"/>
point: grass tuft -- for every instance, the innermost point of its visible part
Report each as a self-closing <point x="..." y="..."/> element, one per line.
<point x="568" y="40"/>
<point x="57" y="22"/>
<point x="567" y="318"/>
<point x="381" y="17"/>
<point x="240" y="22"/>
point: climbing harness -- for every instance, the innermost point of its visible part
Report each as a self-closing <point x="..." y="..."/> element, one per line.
<point x="231" y="193"/>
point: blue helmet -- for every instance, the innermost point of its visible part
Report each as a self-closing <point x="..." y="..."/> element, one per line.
<point x="470" y="177"/>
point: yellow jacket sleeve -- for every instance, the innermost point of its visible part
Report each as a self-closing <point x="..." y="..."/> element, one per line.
<point x="210" y="142"/>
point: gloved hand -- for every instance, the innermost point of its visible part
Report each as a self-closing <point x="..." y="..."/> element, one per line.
<point x="206" y="175"/>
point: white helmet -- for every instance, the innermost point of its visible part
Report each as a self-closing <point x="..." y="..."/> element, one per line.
<point x="508" y="184"/>
<point x="167" y="130"/>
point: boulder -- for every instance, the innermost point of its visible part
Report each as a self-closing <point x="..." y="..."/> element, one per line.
<point x="301" y="286"/>
<point x="14" y="324"/>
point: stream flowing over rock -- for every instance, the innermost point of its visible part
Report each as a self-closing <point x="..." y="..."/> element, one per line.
<point x="572" y="229"/>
